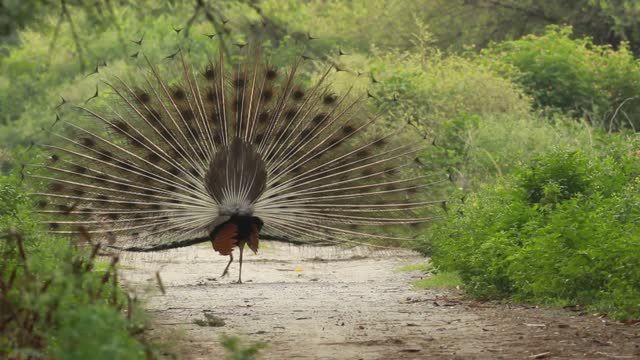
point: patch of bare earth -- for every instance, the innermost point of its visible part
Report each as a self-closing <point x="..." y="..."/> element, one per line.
<point x="329" y="303"/>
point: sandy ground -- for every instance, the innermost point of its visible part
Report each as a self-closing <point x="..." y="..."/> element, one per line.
<point x="329" y="303"/>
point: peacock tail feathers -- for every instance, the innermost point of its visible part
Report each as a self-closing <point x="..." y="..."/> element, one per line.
<point x="173" y="159"/>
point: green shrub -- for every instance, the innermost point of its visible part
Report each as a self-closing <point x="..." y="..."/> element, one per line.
<point x="237" y="349"/>
<point x="573" y="75"/>
<point x="555" y="177"/>
<point x="458" y="104"/>
<point x="481" y="124"/>
<point x="54" y="302"/>
<point x="476" y="149"/>
<point x="562" y="229"/>
<point x="433" y="87"/>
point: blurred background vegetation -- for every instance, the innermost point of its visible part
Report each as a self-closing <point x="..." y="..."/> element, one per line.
<point x="530" y="108"/>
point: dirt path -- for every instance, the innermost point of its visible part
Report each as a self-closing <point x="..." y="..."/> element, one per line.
<point x="327" y="303"/>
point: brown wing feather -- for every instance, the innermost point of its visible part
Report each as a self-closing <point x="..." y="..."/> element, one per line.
<point x="226" y="239"/>
<point x="253" y="239"/>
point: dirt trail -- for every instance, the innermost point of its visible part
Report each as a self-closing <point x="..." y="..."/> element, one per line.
<point x="328" y="303"/>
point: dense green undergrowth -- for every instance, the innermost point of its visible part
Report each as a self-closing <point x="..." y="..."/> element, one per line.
<point x="573" y="75"/>
<point x="58" y="301"/>
<point x="562" y="229"/>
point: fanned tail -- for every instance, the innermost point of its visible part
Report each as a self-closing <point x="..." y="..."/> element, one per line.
<point x="178" y="158"/>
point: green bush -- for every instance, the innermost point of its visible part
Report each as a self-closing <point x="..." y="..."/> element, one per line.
<point x="237" y="349"/>
<point x="59" y="301"/>
<point x="562" y="229"/>
<point x="480" y="123"/>
<point x="432" y="87"/>
<point x="555" y="177"/>
<point x="476" y="149"/>
<point x="458" y="104"/>
<point x="573" y="75"/>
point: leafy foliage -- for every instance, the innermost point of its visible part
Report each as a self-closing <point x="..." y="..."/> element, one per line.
<point x="49" y="307"/>
<point x="460" y="24"/>
<point x="238" y="350"/>
<point x="574" y="75"/>
<point x="455" y="24"/>
<point x="476" y="149"/>
<point x="558" y="230"/>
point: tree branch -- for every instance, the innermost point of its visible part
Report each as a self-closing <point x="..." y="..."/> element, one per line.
<point x="76" y="38"/>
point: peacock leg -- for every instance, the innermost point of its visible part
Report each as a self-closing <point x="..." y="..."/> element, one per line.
<point x="226" y="270"/>
<point x="240" y="271"/>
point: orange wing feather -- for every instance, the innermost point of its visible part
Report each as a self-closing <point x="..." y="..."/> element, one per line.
<point x="226" y="239"/>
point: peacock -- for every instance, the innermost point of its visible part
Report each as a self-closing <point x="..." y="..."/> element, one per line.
<point x="230" y="152"/>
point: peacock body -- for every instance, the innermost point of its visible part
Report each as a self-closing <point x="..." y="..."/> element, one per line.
<point x="229" y="156"/>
